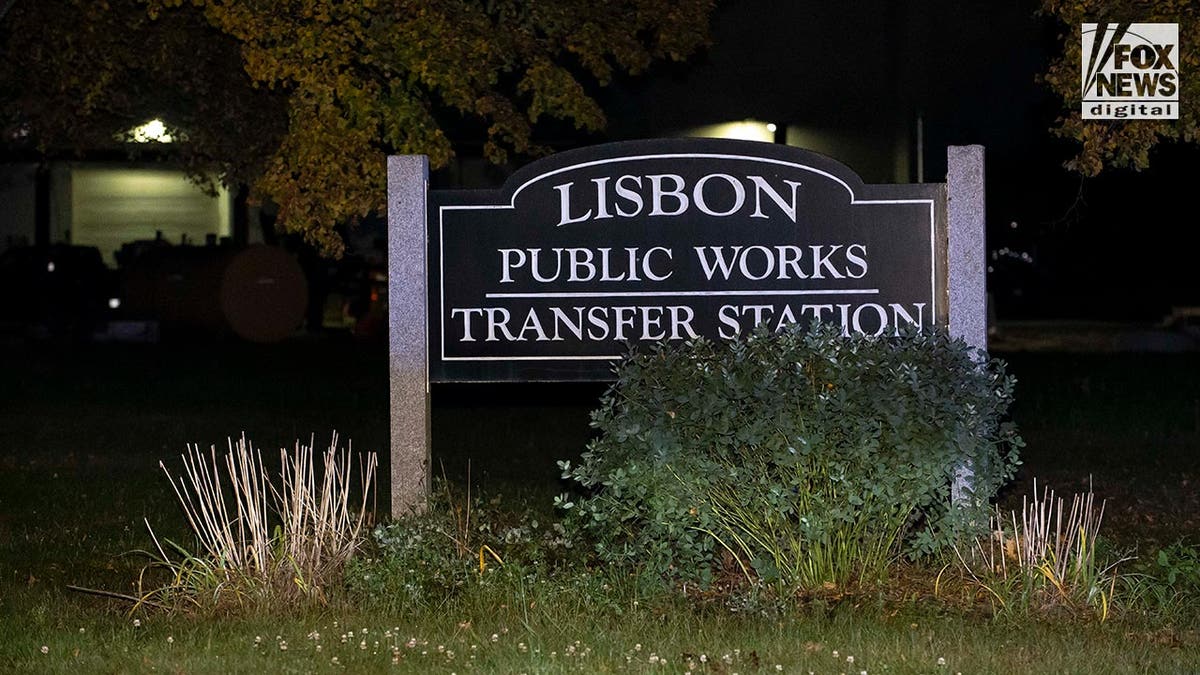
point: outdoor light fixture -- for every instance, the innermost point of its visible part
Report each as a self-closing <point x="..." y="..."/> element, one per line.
<point x="114" y="303"/>
<point x="746" y="130"/>
<point x="154" y="131"/>
<point x="50" y="266"/>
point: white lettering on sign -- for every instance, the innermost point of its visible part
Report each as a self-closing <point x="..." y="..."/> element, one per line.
<point x="584" y="264"/>
<point x="834" y="261"/>
<point x="593" y="324"/>
<point x="868" y="318"/>
<point x="625" y="323"/>
<point x="719" y="195"/>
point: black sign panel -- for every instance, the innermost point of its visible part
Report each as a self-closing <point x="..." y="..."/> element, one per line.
<point x="585" y="252"/>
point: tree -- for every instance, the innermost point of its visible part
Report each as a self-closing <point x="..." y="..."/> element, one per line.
<point x="75" y="75"/>
<point x="1108" y="144"/>
<point x="303" y="99"/>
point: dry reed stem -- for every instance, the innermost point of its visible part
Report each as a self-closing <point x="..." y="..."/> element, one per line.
<point x="1044" y="539"/>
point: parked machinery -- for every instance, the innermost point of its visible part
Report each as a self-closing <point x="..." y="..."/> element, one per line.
<point x="258" y="292"/>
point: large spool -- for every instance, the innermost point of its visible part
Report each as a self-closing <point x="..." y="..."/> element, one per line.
<point x="258" y="293"/>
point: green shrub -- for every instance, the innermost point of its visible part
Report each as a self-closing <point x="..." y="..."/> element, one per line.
<point x="1166" y="585"/>
<point x="1179" y="565"/>
<point x="801" y="458"/>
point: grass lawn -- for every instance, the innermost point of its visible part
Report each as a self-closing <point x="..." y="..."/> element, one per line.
<point x="82" y="431"/>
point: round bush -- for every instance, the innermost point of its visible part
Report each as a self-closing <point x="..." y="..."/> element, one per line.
<point x="799" y="457"/>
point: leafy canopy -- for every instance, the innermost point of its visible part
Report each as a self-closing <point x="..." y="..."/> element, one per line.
<point x="303" y="99"/>
<point x="1106" y="144"/>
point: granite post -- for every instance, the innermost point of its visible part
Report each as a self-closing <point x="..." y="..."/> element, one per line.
<point x="966" y="265"/>
<point x="967" y="271"/>
<point x="408" y="359"/>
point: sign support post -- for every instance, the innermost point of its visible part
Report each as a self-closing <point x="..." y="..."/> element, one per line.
<point x="967" y="273"/>
<point x="967" y="281"/>
<point x="408" y="343"/>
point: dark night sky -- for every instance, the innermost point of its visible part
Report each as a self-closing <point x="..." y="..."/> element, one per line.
<point x="1104" y="248"/>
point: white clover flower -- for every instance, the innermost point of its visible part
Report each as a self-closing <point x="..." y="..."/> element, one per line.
<point x="941" y="661"/>
<point x="45" y="649"/>
<point x="849" y="659"/>
<point x="778" y="666"/>
<point x="170" y="640"/>
<point x="137" y="623"/>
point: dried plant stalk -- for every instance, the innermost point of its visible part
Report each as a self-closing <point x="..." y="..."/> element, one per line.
<point x="319" y="527"/>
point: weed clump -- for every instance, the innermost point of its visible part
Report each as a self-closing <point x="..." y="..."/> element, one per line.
<point x="459" y="544"/>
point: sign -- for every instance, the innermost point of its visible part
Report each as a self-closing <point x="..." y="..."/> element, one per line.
<point x="1130" y="71"/>
<point x="580" y="255"/>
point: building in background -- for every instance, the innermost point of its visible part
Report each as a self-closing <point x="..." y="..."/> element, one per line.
<point x="107" y="203"/>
